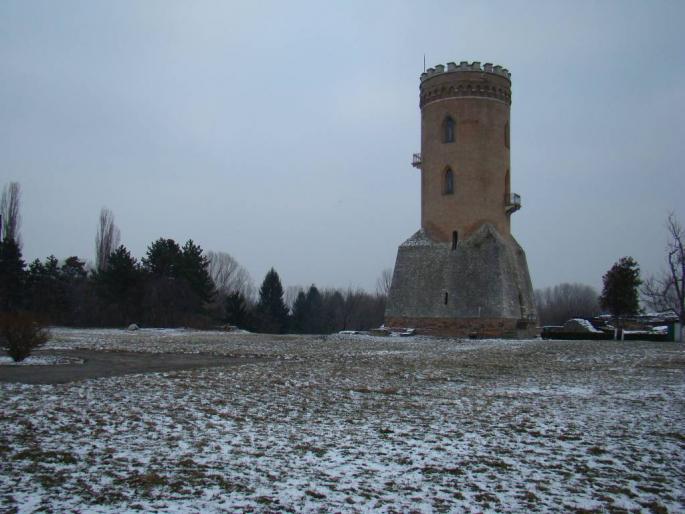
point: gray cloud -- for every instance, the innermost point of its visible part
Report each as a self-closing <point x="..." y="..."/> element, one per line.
<point x="282" y="132"/>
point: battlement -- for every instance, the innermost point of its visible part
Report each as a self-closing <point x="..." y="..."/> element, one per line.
<point x="465" y="66"/>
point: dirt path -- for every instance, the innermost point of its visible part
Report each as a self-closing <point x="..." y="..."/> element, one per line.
<point x="109" y="364"/>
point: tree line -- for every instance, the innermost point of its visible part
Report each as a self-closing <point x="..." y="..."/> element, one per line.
<point x="624" y="291"/>
<point x="172" y="285"/>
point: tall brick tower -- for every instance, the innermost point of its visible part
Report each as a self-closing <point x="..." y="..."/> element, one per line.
<point x="463" y="274"/>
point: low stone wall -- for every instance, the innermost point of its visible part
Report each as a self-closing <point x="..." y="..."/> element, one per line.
<point x="481" y="328"/>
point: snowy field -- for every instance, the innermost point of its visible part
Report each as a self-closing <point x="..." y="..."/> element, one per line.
<point x="352" y="424"/>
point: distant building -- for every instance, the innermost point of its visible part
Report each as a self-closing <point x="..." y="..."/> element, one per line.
<point x="463" y="273"/>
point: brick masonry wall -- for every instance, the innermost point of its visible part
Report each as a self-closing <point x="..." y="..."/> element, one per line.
<point x="478" y="157"/>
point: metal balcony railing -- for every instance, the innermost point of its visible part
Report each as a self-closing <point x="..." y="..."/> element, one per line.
<point x="416" y="160"/>
<point x="512" y="202"/>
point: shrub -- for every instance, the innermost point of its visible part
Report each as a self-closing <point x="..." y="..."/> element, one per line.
<point x="20" y="334"/>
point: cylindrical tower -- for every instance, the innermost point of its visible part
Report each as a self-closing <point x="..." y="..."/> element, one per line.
<point x="465" y="167"/>
<point x="463" y="273"/>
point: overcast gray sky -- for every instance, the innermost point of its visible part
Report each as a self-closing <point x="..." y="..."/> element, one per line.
<point x="282" y="132"/>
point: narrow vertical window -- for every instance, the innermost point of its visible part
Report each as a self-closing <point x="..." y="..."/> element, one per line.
<point x="446" y="297"/>
<point x="448" y="130"/>
<point x="506" y="135"/>
<point x="455" y="239"/>
<point x="507" y="186"/>
<point x="448" y="187"/>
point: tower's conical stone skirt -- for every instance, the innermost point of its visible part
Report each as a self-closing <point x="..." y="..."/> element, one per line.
<point x="481" y="288"/>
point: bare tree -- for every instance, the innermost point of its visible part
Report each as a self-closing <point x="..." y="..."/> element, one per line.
<point x="667" y="290"/>
<point x="9" y="211"/>
<point x="384" y="282"/>
<point x="562" y="302"/>
<point x="106" y="240"/>
<point x="290" y="295"/>
<point x="229" y="276"/>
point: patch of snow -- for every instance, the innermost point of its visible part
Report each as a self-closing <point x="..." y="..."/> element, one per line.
<point x="44" y="360"/>
<point x="585" y="324"/>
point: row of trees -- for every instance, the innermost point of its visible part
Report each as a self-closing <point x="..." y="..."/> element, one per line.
<point x="171" y="285"/>
<point x="623" y="288"/>
<point x="557" y="304"/>
<point x="177" y="285"/>
<point x="620" y="296"/>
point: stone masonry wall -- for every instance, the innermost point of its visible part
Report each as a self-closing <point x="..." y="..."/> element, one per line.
<point x="481" y="328"/>
<point x="485" y="278"/>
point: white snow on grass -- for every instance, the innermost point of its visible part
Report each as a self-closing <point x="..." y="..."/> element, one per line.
<point x="39" y="360"/>
<point x="585" y="324"/>
<point x="353" y="424"/>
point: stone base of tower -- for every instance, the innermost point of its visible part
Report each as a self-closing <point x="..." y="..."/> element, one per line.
<point x="481" y="288"/>
<point x="479" y="328"/>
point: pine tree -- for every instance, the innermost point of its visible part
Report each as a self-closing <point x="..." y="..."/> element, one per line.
<point x="45" y="290"/>
<point x="271" y="310"/>
<point x="74" y="281"/>
<point x="314" y="318"/>
<point x="120" y="285"/>
<point x="236" y="309"/>
<point x="620" y="294"/>
<point x="334" y="307"/>
<point x="12" y="276"/>
<point x="298" y="319"/>
<point x="163" y="258"/>
<point x="194" y="268"/>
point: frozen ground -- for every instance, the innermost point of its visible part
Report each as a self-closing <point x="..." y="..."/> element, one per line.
<point x="352" y="423"/>
<point x="37" y="360"/>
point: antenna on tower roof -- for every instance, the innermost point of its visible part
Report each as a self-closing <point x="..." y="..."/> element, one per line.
<point x="424" y="63"/>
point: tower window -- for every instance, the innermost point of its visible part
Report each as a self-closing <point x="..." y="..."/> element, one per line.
<point x="448" y="187"/>
<point x="455" y="239"/>
<point x="448" y="130"/>
<point x="506" y="135"/>
<point x="446" y="297"/>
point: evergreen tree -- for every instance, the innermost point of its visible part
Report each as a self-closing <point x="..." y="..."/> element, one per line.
<point x="120" y="284"/>
<point x="179" y="285"/>
<point x="194" y="268"/>
<point x="44" y="289"/>
<point x="12" y="276"/>
<point x="237" y="309"/>
<point x="314" y="318"/>
<point x="271" y="310"/>
<point x="73" y="269"/>
<point x="74" y="282"/>
<point x="298" y="319"/>
<point x="334" y="306"/>
<point x="163" y="258"/>
<point x="620" y="294"/>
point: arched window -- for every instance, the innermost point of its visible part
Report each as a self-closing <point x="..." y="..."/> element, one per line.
<point x="448" y="130"/>
<point x="448" y="187"/>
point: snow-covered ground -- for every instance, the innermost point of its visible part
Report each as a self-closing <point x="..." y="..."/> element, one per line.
<point x="39" y="360"/>
<point x="353" y="423"/>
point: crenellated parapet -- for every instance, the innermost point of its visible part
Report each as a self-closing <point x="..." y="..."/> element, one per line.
<point x="465" y="80"/>
<point x="465" y="66"/>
